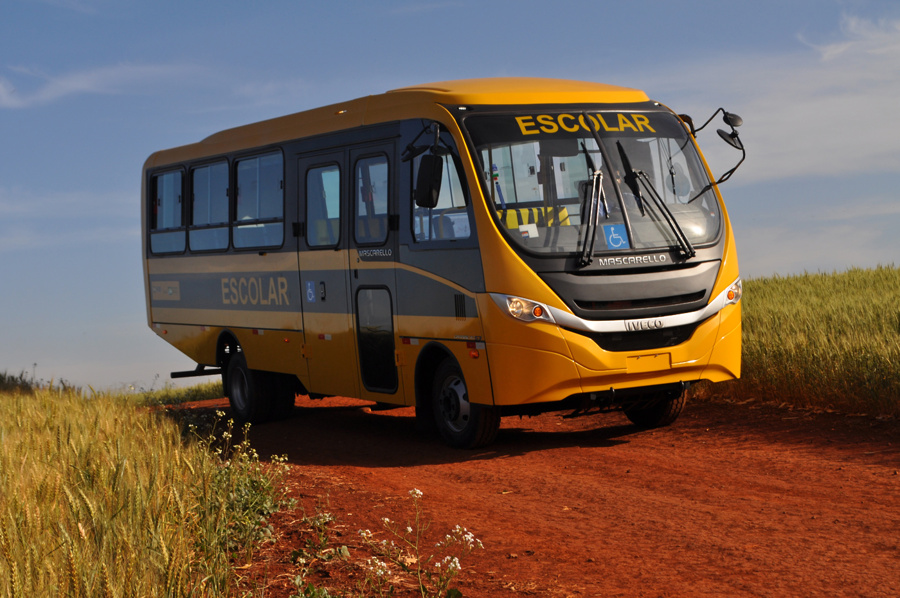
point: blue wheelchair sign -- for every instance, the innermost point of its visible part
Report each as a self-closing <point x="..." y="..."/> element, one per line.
<point x="616" y="236"/>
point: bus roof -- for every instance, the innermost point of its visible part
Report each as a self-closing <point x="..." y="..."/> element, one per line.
<point x="405" y="102"/>
<point x="523" y="90"/>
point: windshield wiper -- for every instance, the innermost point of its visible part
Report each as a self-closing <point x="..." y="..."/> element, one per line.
<point x="596" y="180"/>
<point x="597" y="196"/>
<point x="593" y="218"/>
<point x="634" y="176"/>
<point x="631" y="178"/>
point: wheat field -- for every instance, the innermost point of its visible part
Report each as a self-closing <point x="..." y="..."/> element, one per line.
<point x="100" y="496"/>
<point x="822" y="341"/>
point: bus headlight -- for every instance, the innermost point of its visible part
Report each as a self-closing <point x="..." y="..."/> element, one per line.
<point x="733" y="295"/>
<point x="525" y="310"/>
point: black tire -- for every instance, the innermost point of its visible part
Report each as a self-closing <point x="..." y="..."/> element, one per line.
<point x="656" y="410"/>
<point x="460" y="423"/>
<point x="246" y="391"/>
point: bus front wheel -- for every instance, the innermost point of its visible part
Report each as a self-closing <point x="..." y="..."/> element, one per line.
<point x="656" y="410"/>
<point x="246" y="391"/>
<point x="460" y="423"/>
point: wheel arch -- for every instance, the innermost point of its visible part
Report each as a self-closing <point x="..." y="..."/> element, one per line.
<point x="426" y="366"/>
<point x="226" y="347"/>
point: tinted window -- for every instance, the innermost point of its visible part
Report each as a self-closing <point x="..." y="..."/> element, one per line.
<point x="209" y="211"/>
<point x="450" y="218"/>
<point x="375" y="333"/>
<point x="371" y="200"/>
<point x="323" y="206"/>
<point x="166" y="213"/>
<point x="259" y="210"/>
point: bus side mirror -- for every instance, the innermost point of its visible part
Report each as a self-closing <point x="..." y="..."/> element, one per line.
<point x="428" y="181"/>
<point x="731" y="139"/>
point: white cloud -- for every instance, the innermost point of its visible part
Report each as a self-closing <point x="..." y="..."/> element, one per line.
<point x="855" y="209"/>
<point x="785" y="249"/>
<point x="107" y="80"/>
<point x="824" y="231"/>
<point x="68" y="205"/>
<point x="29" y="238"/>
<point x="29" y="221"/>
<point x="824" y="110"/>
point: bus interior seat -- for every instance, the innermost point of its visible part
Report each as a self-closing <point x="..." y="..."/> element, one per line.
<point x="543" y="216"/>
<point x="371" y="229"/>
<point x="326" y="232"/>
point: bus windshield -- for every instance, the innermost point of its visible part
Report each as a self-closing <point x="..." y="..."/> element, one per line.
<point x="556" y="190"/>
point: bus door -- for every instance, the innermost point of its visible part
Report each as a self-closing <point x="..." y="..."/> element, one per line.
<point x="372" y="274"/>
<point x="329" y="335"/>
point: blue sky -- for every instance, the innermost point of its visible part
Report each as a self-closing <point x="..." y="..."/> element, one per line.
<point x="89" y="88"/>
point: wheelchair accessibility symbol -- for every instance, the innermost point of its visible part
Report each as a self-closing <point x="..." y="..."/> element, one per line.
<point x="616" y="236"/>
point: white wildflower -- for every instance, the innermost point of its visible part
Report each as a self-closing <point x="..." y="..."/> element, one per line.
<point x="378" y="568"/>
<point x="451" y="563"/>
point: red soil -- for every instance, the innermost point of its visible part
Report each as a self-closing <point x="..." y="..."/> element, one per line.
<point x="731" y="500"/>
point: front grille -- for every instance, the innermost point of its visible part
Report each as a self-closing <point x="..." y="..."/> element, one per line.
<point x="640" y="303"/>
<point x="641" y="340"/>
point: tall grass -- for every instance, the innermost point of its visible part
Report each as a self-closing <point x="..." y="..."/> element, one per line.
<point x="101" y="498"/>
<point x="827" y="341"/>
<point x="171" y="395"/>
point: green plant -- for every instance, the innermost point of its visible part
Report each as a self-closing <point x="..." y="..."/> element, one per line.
<point x="406" y="550"/>
<point x="239" y="495"/>
<point x="315" y="550"/>
<point x="21" y="382"/>
<point x="29" y="383"/>
<point x="172" y="395"/>
<point x="308" y="590"/>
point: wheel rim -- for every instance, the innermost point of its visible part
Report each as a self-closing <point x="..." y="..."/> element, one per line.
<point x="454" y="404"/>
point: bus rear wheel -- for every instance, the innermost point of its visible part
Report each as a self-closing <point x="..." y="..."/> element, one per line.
<point x="460" y="423"/>
<point x="656" y="410"/>
<point x="246" y="391"/>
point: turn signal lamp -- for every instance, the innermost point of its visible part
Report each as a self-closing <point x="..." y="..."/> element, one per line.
<point x="734" y="292"/>
<point x="525" y="310"/>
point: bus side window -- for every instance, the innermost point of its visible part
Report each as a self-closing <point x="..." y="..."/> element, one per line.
<point x="372" y="200"/>
<point x="323" y="206"/>
<point x="167" y="213"/>
<point x="209" y="207"/>
<point x="259" y="210"/>
<point x="449" y="219"/>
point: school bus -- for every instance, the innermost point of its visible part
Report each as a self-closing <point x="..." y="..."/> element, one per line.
<point x="473" y="248"/>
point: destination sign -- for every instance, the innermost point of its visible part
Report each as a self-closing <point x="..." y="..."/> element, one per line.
<point x="488" y="129"/>
<point x="553" y="123"/>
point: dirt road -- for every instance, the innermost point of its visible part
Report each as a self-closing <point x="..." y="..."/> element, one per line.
<point x="732" y="500"/>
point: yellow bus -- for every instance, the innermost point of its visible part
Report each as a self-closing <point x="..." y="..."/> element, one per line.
<point x="473" y="248"/>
